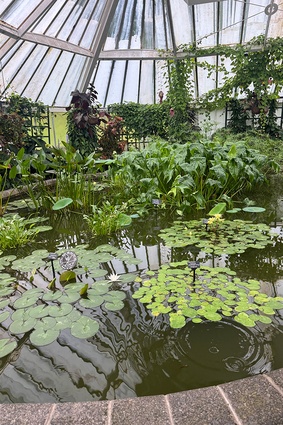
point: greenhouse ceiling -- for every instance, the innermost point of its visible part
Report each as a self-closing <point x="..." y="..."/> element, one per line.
<point x="49" y="48"/>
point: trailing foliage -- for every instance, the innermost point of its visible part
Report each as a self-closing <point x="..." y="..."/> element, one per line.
<point x="186" y="176"/>
<point x="34" y="119"/>
<point x="142" y="121"/>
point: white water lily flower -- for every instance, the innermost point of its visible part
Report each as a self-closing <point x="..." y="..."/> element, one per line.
<point x="113" y="277"/>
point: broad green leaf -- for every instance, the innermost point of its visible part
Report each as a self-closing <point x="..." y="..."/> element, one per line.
<point x="62" y="310"/>
<point x="84" y="328"/>
<point x="114" y="306"/>
<point x="26" y="301"/>
<point x="22" y="326"/>
<point x="7" y="346"/>
<point x="177" y="321"/>
<point x="40" y="336"/>
<point x="254" y="209"/>
<point x="4" y="315"/>
<point x="62" y="203"/>
<point x="218" y="209"/>
<point x="46" y="323"/>
<point x="92" y="302"/>
<point x="39" y="311"/>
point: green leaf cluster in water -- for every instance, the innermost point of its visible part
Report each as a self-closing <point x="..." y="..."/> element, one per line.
<point x="230" y="237"/>
<point x="45" y="313"/>
<point x="216" y="293"/>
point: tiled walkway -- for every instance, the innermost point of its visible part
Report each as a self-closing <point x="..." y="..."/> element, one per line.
<point x="252" y="401"/>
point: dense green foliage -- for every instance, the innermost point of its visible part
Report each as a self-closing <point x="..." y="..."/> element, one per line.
<point x="16" y="231"/>
<point x="108" y="218"/>
<point x="186" y="176"/>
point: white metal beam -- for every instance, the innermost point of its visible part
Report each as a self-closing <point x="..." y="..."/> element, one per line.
<point x="98" y="41"/>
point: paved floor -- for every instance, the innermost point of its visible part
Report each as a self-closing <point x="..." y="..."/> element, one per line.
<point x="252" y="401"/>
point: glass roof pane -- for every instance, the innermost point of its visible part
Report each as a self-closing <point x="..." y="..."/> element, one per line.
<point x="56" y="53"/>
<point x="17" y="11"/>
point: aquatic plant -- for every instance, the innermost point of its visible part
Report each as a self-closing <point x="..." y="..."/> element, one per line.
<point x="107" y="218"/>
<point x="219" y="236"/>
<point x="186" y="176"/>
<point x="45" y="312"/>
<point x="17" y="231"/>
<point x="214" y="294"/>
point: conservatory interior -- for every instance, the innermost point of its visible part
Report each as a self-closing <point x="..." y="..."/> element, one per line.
<point x="141" y="212"/>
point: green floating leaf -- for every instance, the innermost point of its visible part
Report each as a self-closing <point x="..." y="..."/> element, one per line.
<point x="114" y="306"/>
<point x="5" y="292"/>
<point x="233" y="211"/>
<point x="177" y="321"/>
<point x="254" y="209"/>
<point x="33" y="291"/>
<point x="69" y="297"/>
<point x="22" y="326"/>
<point x="98" y="273"/>
<point x="92" y="302"/>
<point x="39" y="311"/>
<point x="128" y="277"/>
<point x="46" y="323"/>
<point x="99" y="289"/>
<point x="62" y="310"/>
<point x="4" y="316"/>
<point x="52" y="296"/>
<point x="245" y="320"/>
<point x="7" y="346"/>
<point x="65" y="322"/>
<point x="40" y="336"/>
<point x="115" y="295"/>
<point x="84" y="328"/>
<point x="62" y="203"/>
<point x="26" y="301"/>
<point x="4" y="303"/>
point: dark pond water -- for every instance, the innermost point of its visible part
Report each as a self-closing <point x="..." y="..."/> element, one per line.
<point x="134" y="354"/>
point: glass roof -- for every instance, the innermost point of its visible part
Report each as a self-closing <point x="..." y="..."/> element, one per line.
<point x="49" y="48"/>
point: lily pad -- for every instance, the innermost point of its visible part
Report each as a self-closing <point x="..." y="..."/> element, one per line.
<point x="26" y="301"/>
<point x="7" y="346"/>
<point x="4" y="303"/>
<point x="52" y="296"/>
<point x="22" y="326"/>
<point x="40" y="337"/>
<point x="46" y="323"/>
<point x="58" y="311"/>
<point x="69" y="297"/>
<point x="114" y="306"/>
<point x="84" y="328"/>
<point x="254" y="209"/>
<point x="4" y="316"/>
<point x="177" y="321"/>
<point x="98" y="273"/>
<point x="92" y="302"/>
<point x="39" y="311"/>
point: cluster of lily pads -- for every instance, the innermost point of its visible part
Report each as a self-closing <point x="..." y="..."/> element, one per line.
<point x="44" y="312"/>
<point x="230" y="236"/>
<point x="215" y="292"/>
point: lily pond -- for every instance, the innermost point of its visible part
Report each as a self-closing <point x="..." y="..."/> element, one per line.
<point x="165" y="305"/>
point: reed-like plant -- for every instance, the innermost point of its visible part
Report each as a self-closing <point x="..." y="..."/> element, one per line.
<point x="107" y="218"/>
